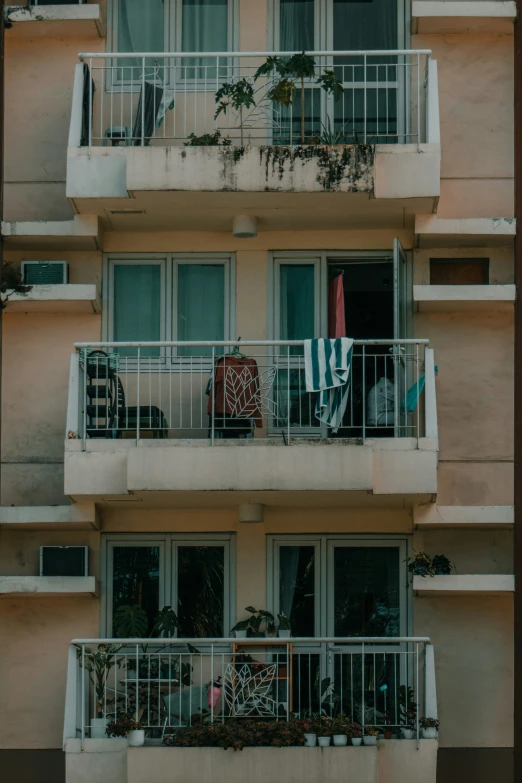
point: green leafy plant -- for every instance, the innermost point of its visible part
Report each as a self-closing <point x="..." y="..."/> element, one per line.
<point x="284" y="623"/>
<point x="299" y="68"/>
<point x="122" y="726"/>
<point x="239" y="734"/>
<point x="441" y="565"/>
<point x="11" y="283"/>
<point x="421" y="564"/>
<point x="329" y="136"/>
<point x="207" y="140"/>
<point x="99" y="664"/>
<point x="238" y="95"/>
<point x="371" y="731"/>
<point x="253" y="623"/>
<point x="407" y="706"/>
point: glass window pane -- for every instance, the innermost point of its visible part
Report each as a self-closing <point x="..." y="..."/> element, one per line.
<point x="297" y="587"/>
<point x="366" y="591"/>
<point x="296" y="25"/>
<point x="201" y="588"/>
<point x="367" y="24"/>
<point x="204" y="29"/>
<point x="137" y="306"/>
<point x="297" y="301"/>
<point x="201" y="305"/>
<point x="141" y="25"/>
<point x="135" y="579"/>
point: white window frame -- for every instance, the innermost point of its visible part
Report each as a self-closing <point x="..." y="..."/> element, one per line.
<point x="325" y="544"/>
<point x="168" y="544"/>
<point x="323" y="16"/>
<point x="169" y="263"/>
<point x="173" y="26"/>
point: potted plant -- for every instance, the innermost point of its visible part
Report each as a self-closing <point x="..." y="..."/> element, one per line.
<point x="441" y="565"/>
<point x="309" y="731"/>
<point x="252" y="625"/>
<point x="421" y="564"/>
<point x="370" y="735"/>
<point x="238" y="95"/>
<point x="99" y="665"/>
<point x="430" y="727"/>
<point x="340" y="726"/>
<point x="284" y="627"/>
<point x="127" y="726"/>
<point x="354" y="731"/>
<point x="408" y="711"/>
<point x="324" y="731"/>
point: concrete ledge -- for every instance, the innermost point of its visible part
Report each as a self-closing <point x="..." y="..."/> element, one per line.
<point x="65" y="298"/>
<point x="407" y="171"/>
<point x="463" y="16"/>
<point x="432" y="231"/>
<point x="464" y="584"/>
<point x="55" y="21"/>
<point x="431" y="516"/>
<point x="461" y="298"/>
<point x="77" y="516"/>
<point x="80" y="233"/>
<point x="41" y="586"/>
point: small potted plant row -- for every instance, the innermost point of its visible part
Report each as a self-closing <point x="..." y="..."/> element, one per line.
<point x="262" y="623"/>
<point x="322" y="730"/>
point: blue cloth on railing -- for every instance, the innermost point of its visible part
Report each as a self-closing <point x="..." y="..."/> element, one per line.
<point x="327" y="372"/>
<point x="411" y="401"/>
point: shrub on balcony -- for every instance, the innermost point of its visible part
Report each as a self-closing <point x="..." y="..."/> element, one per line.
<point x="239" y="734"/>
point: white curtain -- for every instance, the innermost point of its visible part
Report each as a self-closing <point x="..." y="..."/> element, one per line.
<point x="296" y="25"/>
<point x="137" y="305"/>
<point x="365" y="24"/>
<point x="141" y="25"/>
<point x="201" y="305"/>
<point x="205" y="25"/>
<point x="297" y="301"/>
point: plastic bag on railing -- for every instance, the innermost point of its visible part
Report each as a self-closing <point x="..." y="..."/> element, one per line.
<point x="411" y="401"/>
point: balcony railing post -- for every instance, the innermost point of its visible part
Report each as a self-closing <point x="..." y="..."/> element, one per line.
<point x="430" y="684"/>
<point x="138" y="398"/>
<point x="142" y="101"/>
<point x="213" y="397"/>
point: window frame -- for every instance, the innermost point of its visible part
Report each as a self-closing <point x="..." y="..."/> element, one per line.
<point x="168" y="543"/>
<point x="325" y="545"/>
<point x="170" y="263"/>
<point x="173" y="26"/>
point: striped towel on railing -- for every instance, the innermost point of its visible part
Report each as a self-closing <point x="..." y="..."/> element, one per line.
<point x="327" y="371"/>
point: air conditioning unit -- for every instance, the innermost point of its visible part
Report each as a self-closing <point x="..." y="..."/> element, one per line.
<point x="64" y="561"/>
<point x="44" y="272"/>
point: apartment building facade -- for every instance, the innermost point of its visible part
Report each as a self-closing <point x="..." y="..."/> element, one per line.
<point x="160" y="440"/>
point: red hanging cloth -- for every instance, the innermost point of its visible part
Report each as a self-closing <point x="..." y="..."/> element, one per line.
<point x="336" y="317"/>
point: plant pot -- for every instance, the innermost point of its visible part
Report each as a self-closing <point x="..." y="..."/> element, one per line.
<point x="340" y="740"/>
<point x="368" y="739"/>
<point x="356" y="741"/>
<point x="430" y="733"/>
<point x="282" y="671"/>
<point x="98" y="728"/>
<point x="241" y="634"/>
<point x="136" y="738"/>
<point x="310" y="740"/>
<point x="407" y="734"/>
<point x="284" y="634"/>
<point x="388" y="735"/>
<point x="323" y="742"/>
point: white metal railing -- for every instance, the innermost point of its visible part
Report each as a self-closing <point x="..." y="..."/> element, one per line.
<point x="388" y="683"/>
<point x="155" y="98"/>
<point x="217" y="390"/>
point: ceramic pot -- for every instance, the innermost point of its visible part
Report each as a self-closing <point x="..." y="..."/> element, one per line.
<point x="241" y="634"/>
<point x="340" y="740"/>
<point x="324" y="742"/>
<point x="98" y="728"/>
<point x="430" y="733"/>
<point x="284" y="634"/>
<point x="310" y="740"/>
<point x="388" y="735"/>
<point x="357" y="741"/>
<point x="368" y="739"/>
<point x="136" y="738"/>
<point x="407" y="733"/>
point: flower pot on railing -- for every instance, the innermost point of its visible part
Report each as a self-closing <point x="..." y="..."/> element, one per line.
<point x="407" y="734"/>
<point x="241" y="634"/>
<point x="357" y="741"/>
<point x="340" y="740"/>
<point x="430" y="733"/>
<point x="323" y="742"/>
<point x="284" y="634"/>
<point x="310" y="740"/>
<point x="369" y="739"/>
<point x="136" y="738"/>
